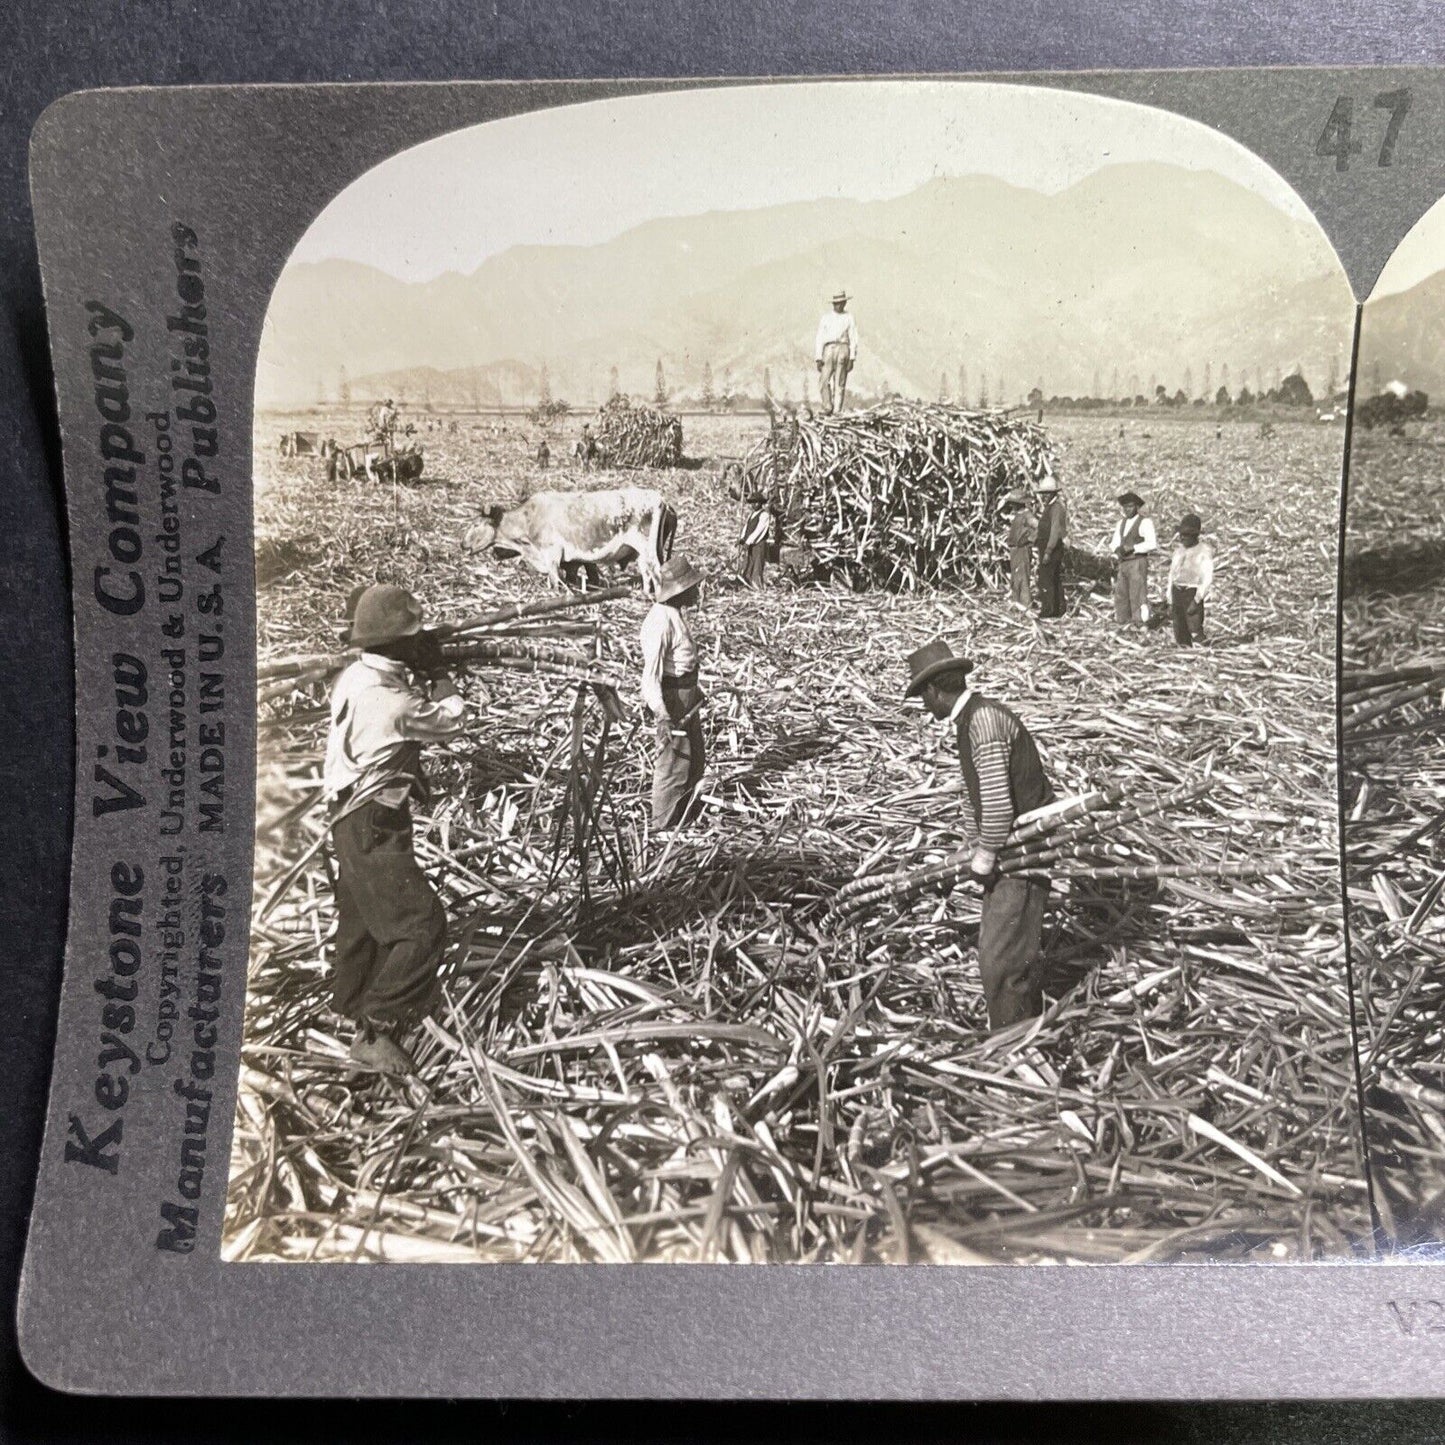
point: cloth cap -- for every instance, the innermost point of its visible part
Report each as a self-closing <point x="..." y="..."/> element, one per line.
<point x="1189" y="525"/>
<point x="384" y="613"/>
<point x="932" y="660"/>
<point x="1129" y="499"/>
<point x="677" y="575"/>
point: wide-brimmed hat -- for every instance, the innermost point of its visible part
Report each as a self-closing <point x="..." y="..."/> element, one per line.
<point x="932" y="660"/>
<point x="1129" y="499"/>
<point x="841" y="295"/>
<point x="1189" y="525"/>
<point x="677" y="575"/>
<point x="382" y="614"/>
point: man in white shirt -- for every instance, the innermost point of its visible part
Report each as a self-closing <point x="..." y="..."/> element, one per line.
<point x="1191" y="580"/>
<point x="834" y="352"/>
<point x="671" y="694"/>
<point x="1133" y="541"/>
<point x="391" y="925"/>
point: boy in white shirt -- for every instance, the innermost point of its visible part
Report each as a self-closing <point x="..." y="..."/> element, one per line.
<point x="1191" y="579"/>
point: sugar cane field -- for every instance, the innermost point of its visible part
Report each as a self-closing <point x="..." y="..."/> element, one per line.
<point x="687" y="1051"/>
<point x="1393" y="679"/>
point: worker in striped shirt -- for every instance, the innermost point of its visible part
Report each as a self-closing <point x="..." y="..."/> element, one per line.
<point x="1003" y="777"/>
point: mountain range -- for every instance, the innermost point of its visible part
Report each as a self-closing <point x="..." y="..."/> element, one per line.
<point x="1402" y="338"/>
<point x="1135" y="273"/>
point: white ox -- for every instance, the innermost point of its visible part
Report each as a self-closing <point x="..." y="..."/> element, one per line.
<point x="562" y="533"/>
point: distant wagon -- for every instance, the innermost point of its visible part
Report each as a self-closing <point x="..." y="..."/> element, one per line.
<point x="300" y="443"/>
<point x="364" y="459"/>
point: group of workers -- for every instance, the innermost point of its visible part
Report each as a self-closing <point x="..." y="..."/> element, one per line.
<point x="1134" y="542"/>
<point x="397" y="695"/>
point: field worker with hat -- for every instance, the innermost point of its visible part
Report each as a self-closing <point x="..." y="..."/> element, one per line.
<point x="1023" y="530"/>
<point x="755" y="537"/>
<point x="1191" y="580"/>
<point x="671" y="694"/>
<point x="835" y="349"/>
<point x="1003" y="776"/>
<point x="391" y="926"/>
<point x="1133" y="540"/>
<point x="1053" y="532"/>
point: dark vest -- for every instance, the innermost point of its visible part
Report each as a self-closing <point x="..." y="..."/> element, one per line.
<point x="1029" y="787"/>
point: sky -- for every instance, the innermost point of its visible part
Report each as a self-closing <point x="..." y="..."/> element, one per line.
<point x="583" y="174"/>
<point x="1420" y="254"/>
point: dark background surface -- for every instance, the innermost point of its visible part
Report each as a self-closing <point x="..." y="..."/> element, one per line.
<point x="50" y="49"/>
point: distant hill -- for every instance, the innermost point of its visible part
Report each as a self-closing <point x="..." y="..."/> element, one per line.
<point x="1402" y="338"/>
<point x="1142" y="269"/>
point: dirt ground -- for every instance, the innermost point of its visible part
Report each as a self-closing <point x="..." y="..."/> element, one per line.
<point x="901" y="1132"/>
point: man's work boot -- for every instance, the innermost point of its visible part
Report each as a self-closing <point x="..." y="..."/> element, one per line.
<point x="381" y="1053"/>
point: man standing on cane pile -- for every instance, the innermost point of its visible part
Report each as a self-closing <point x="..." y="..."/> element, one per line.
<point x="834" y="352"/>
<point x="671" y="694"/>
<point x="1053" y="533"/>
<point x="391" y="926"/>
<point x="1134" y="539"/>
<point x="1003" y="777"/>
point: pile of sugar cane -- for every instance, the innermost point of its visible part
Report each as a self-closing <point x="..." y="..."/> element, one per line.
<point x="905" y="494"/>
<point x="700" y="1062"/>
<point x="631" y="435"/>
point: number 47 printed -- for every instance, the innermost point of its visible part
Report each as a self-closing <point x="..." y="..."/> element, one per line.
<point x="1337" y="139"/>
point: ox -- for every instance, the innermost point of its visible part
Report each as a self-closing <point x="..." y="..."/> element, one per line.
<point x="564" y="533"/>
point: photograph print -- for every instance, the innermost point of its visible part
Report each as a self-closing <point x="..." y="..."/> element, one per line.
<point x="1392" y="710"/>
<point x="796" y="658"/>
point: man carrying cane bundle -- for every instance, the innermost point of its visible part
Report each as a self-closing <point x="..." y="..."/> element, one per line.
<point x="1003" y="778"/>
<point x="391" y="926"/>
<point x="671" y="694"/>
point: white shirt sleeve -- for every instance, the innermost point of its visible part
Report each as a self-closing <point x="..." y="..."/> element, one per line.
<point x="1206" y="573"/>
<point x="654" y="651"/>
<point x="1148" y="537"/>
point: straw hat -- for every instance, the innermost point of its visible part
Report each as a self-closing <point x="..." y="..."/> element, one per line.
<point x="933" y="660"/>
<point x="382" y="614"/>
<point x="678" y="574"/>
<point x="841" y="295"/>
<point x="1048" y="484"/>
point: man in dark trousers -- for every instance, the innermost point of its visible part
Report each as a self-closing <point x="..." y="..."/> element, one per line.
<point x="1003" y="778"/>
<point x="754" y="538"/>
<point x="391" y="926"/>
<point x="671" y="694"/>
<point x="1053" y="533"/>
